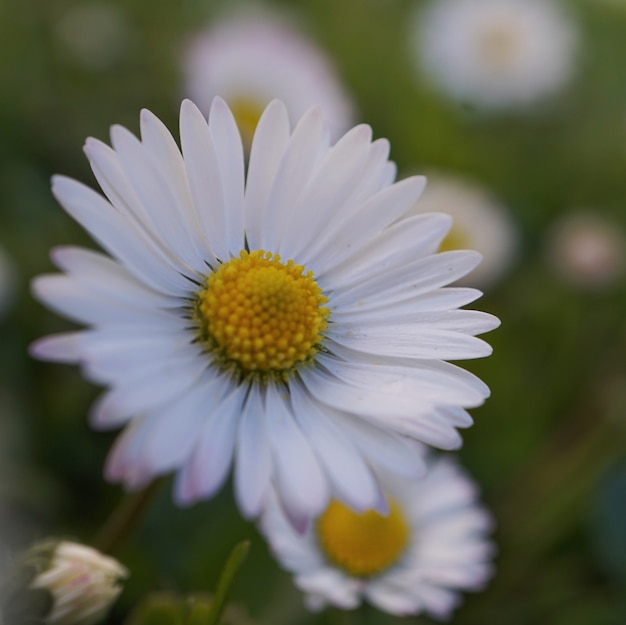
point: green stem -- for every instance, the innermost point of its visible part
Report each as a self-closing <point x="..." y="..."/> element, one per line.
<point x="124" y="518"/>
<point x="231" y="567"/>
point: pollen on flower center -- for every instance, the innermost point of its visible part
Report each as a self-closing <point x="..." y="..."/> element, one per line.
<point x="261" y="313"/>
<point x="363" y="544"/>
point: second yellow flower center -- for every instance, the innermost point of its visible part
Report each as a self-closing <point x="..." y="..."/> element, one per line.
<point x="363" y="544"/>
<point x="261" y="313"/>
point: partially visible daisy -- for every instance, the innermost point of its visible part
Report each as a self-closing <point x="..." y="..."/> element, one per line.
<point x="479" y="222"/>
<point x="286" y="321"/>
<point x="587" y="250"/>
<point x="496" y="53"/>
<point x="250" y="59"/>
<point x="431" y="545"/>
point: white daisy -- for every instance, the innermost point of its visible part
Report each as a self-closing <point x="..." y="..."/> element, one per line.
<point x="480" y="222"/>
<point x="496" y="53"/>
<point x="587" y="250"/>
<point x="287" y="324"/>
<point x="431" y="545"/>
<point x="250" y="59"/>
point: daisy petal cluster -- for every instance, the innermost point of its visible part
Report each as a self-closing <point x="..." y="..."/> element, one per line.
<point x="417" y="558"/>
<point x="480" y="222"/>
<point x="251" y="58"/>
<point x="282" y="319"/>
<point x="496" y="53"/>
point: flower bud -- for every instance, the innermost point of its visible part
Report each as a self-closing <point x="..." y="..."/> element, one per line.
<point x="82" y="582"/>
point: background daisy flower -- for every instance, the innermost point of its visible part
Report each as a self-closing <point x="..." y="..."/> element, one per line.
<point x="586" y="250"/>
<point x="288" y="324"/>
<point x="432" y="545"/>
<point x="495" y="53"/>
<point x="251" y="58"/>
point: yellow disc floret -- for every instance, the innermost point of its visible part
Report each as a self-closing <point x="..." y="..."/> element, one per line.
<point x="363" y="544"/>
<point x="261" y="313"/>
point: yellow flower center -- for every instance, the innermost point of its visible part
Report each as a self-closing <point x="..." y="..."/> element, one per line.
<point x="247" y="113"/>
<point x="262" y="314"/>
<point x="362" y="544"/>
<point x="498" y="45"/>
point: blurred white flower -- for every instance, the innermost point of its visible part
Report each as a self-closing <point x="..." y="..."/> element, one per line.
<point x="83" y="583"/>
<point x="480" y="222"/>
<point x="96" y="34"/>
<point x="279" y="317"/>
<point x="250" y="59"/>
<point x="587" y="250"/>
<point x="430" y="546"/>
<point x="496" y="53"/>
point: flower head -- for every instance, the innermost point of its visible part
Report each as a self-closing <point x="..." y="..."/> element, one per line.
<point x="287" y="322"/>
<point x="430" y="545"/>
<point x="480" y="222"/>
<point x="496" y="53"/>
<point x="83" y="584"/>
<point x="587" y="250"/>
<point x="251" y="58"/>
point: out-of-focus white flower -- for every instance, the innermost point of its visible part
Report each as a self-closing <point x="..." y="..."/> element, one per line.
<point x="430" y="546"/>
<point x="587" y="250"/>
<point x="250" y="59"/>
<point x="282" y="317"/>
<point x="83" y="583"/>
<point x="496" y="53"/>
<point x="96" y="34"/>
<point x="479" y="222"/>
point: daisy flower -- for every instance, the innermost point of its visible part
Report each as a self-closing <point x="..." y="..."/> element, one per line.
<point x="250" y="59"/>
<point x="586" y="250"/>
<point x="430" y="546"/>
<point x="496" y="53"/>
<point x="480" y="222"/>
<point x="282" y="320"/>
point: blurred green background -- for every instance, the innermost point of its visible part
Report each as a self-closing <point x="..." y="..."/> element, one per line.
<point x="548" y="449"/>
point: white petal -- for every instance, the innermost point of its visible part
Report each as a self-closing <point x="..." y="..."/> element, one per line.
<point x="145" y="390"/>
<point x="406" y="240"/>
<point x="155" y="194"/>
<point x="253" y="463"/>
<point x="378" y="212"/>
<point x="326" y="193"/>
<point x="411" y="341"/>
<point x="205" y="178"/>
<point x="229" y="148"/>
<point x="268" y="145"/>
<point x="97" y="270"/>
<point x="383" y="449"/>
<point x="118" y="236"/>
<point x="160" y="146"/>
<point x="207" y="468"/>
<point x="299" y="480"/>
<point x="294" y="171"/>
<point x="346" y="470"/>
<point x="64" y="347"/>
<point x="415" y="278"/>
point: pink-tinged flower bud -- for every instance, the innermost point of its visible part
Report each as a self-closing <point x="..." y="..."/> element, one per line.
<point x="83" y="583"/>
